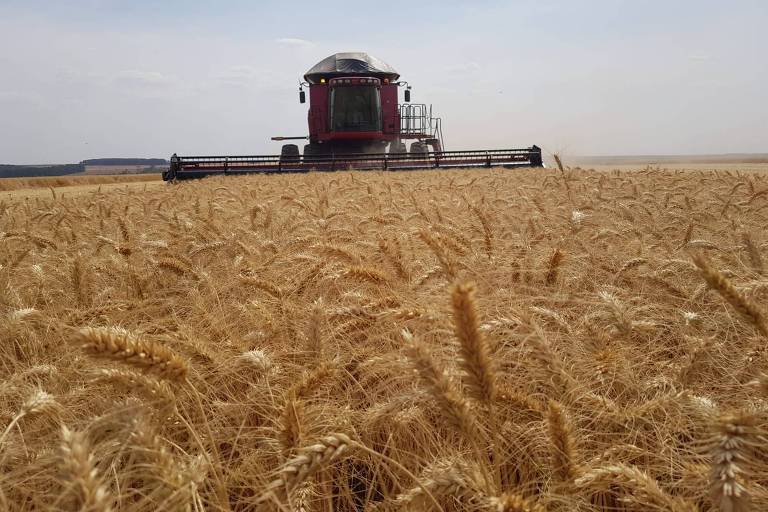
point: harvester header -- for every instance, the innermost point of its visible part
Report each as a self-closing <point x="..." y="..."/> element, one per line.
<point x="355" y="121"/>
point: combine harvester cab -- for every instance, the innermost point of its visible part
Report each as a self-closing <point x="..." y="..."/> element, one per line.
<point x="356" y="122"/>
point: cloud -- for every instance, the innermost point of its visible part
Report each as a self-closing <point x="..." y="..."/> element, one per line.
<point x="148" y="78"/>
<point x="463" y="67"/>
<point x="20" y="96"/>
<point x="238" y="75"/>
<point x="698" y="58"/>
<point x="295" y="42"/>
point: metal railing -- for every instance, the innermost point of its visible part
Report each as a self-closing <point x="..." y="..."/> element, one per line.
<point x="417" y="122"/>
<point x="182" y="167"/>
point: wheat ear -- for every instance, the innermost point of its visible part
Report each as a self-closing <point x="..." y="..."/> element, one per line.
<point x="314" y="331"/>
<point x="748" y="309"/>
<point x="175" y="266"/>
<point x="561" y="437"/>
<point x="454" y="406"/>
<point x="513" y="503"/>
<point x="475" y="359"/>
<point x="291" y="431"/>
<point x="761" y="384"/>
<point x="455" y="482"/>
<point x="156" y="389"/>
<point x="78" y="469"/>
<point x="753" y="251"/>
<point x="265" y="286"/>
<point x="639" y="487"/>
<point x="551" y="365"/>
<point x="311" y="459"/>
<point x="553" y="267"/>
<point x="733" y="439"/>
<point x="38" y="403"/>
<point x="123" y="346"/>
<point x="311" y="380"/>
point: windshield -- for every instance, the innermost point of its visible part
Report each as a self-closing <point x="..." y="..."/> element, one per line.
<point x="355" y="109"/>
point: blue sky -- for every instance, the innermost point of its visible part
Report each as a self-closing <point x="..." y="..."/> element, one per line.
<point x="103" y="78"/>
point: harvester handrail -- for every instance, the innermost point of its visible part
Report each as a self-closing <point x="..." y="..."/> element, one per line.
<point x="182" y="167"/>
<point x="356" y="156"/>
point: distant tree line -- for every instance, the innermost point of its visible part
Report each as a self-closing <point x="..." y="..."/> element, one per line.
<point x="30" y="171"/>
<point x="147" y="162"/>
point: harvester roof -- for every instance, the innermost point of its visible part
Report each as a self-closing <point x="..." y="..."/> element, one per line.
<point x="350" y="64"/>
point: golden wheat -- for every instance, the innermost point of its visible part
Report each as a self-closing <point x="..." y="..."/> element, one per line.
<point x="485" y="340"/>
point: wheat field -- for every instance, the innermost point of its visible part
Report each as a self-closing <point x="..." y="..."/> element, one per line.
<point x="488" y="340"/>
<point x="73" y="180"/>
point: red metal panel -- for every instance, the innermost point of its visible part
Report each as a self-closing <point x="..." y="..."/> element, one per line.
<point x="358" y="136"/>
<point x="389" y="115"/>
<point x="317" y="116"/>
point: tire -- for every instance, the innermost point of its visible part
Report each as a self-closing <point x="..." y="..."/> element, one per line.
<point x="397" y="147"/>
<point x="289" y="154"/>
<point x="419" y="150"/>
<point x="312" y="153"/>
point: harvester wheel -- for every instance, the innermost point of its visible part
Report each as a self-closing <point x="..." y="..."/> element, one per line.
<point x="289" y="154"/>
<point x="312" y="152"/>
<point x="397" y="147"/>
<point x="419" y="150"/>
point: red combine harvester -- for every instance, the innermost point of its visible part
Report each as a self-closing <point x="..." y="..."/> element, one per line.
<point x="356" y="122"/>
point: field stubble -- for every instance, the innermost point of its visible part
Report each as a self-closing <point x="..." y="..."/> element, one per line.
<point x="466" y="340"/>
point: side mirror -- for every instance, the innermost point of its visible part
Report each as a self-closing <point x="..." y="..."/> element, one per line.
<point x="302" y="96"/>
<point x="407" y="95"/>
